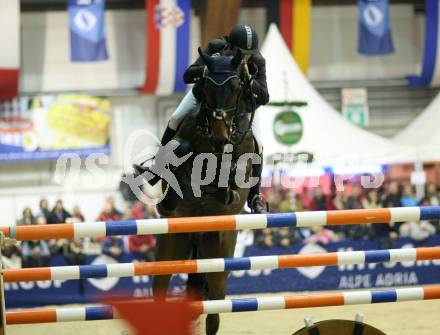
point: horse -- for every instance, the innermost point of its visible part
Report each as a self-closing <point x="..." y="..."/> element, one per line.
<point x="217" y="134"/>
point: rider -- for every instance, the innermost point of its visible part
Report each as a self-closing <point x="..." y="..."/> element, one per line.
<point x="242" y="39"/>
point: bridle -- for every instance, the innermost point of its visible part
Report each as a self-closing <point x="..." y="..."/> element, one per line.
<point x="235" y="135"/>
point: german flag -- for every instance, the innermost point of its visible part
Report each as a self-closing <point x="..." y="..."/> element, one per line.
<point x="293" y="19"/>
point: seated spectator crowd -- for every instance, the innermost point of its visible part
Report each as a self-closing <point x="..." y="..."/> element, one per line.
<point x="40" y="253"/>
<point x="353" y="197"/>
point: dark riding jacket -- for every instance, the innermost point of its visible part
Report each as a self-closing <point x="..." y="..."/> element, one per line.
<point x="257" y="68"/>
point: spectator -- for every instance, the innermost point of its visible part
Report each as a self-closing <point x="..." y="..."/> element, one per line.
<point x="321" y="235"/>
<point x="27" y="217"/>
<point x="408" y="198"/>
<point x="108" y="213"/>
<point x="35" y="254"/>
<point x="340" y="199"/>
<point x="432" y="194"/>
<point x="144" y="211"/>
<point x="12" y="257"/>
<point x="392" y="197"/>
<point x="77" y="216"/>
<point x="353" y="201"/>
<point x="113" y="247"/>
<point x="41" y="220"/>
<point x="44" y="209"/>
<point x="56" y="246"/>
<point x="285" y="237"/>
<point x="321" y="202"/>
<point x="73" y="252"/>
<point x="58" y="213"/>
<point x="142" y="247"/>
<point x="371" y="201"/>
<point x="111" y="202"/>
<point x="263" y="238"/>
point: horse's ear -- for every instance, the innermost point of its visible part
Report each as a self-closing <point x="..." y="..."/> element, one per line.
<point x="207" y="59"/>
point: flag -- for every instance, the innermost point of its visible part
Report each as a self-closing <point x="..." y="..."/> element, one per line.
<point x="168" y="46"/>
<point x="374" y="28"/>
<point x="10" y="50"/>
<point x="431" y="59"/>
<point x="293" y="20"/>
<point x="87" y="30"/>
<point x="153" y="317"/>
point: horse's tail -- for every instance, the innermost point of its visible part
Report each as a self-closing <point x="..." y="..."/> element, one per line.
<point x="197" y="284"/>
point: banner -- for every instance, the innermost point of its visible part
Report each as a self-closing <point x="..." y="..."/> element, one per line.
<point x="10" y="48"/>
<point x="431" y="61"/>
<point x="374" y="28"/>
<point x="87" y="30"/>
<point x="293" y="20"/>
<point x="45" y="127"/>
<point x="344" y="277"/>
<point x="168" y="46"/>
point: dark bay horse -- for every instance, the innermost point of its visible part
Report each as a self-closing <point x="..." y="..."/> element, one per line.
<point x="220" y="131"/>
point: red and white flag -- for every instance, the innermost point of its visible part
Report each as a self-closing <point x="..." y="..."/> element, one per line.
<point x="10" y="48"/>
<point x="168" y="46"/>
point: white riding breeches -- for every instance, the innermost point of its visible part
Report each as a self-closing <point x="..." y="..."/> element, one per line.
<point x="189" y="103"/>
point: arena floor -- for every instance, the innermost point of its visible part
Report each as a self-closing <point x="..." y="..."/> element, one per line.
<point x="406" y="318"/>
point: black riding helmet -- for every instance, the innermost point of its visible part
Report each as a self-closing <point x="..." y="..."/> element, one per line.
<point x="244" y="38"/>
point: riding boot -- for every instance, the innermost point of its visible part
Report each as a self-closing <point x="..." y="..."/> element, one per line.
<point x="255" y="201"/>
<point x="166" y="137"/>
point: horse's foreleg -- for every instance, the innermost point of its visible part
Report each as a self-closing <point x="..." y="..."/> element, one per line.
<point x="216" y="290"/>
<point x="160" y="286"/>
<point x="216" y="245"/>
<point x="168" y="248"/>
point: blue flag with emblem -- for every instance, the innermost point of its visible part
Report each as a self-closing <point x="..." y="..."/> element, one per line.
<point x="87" y="30"/>
<point x="430" y="74"/>
<point x="374" y="28"/>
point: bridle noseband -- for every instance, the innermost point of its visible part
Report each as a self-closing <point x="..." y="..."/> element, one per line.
<point x="220" y="114"/>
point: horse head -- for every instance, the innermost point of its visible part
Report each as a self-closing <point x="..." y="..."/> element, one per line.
<point x="222" y="90"/>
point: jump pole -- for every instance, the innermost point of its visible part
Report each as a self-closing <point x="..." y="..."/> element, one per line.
<point x="220" y="264"/>
<point x="236" y="305"/>
<point x="221" y="223"/>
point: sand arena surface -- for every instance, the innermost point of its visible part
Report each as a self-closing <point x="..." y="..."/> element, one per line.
<point x="405" y="318"/>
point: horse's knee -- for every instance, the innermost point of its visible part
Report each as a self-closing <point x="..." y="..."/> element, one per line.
<point x="160" y="286"/>
<point x="196" y="286"/>
<point x="212" y="324"/>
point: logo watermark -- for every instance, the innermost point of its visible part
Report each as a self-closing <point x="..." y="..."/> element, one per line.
<point x="143" y="149"/>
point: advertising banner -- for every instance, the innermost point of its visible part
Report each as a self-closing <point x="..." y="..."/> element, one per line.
<point x="45" y="127"/>
<point x="345" y="277"/>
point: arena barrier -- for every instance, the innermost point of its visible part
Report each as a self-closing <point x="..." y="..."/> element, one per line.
<point x="224" y="223"/>
<point x="236" y="305"/>
<point x="220" y="264"/>
<point x="221" y="223"/>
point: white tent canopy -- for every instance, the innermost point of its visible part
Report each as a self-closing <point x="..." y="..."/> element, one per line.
<point x="325" y="133"/>
<point x="424" y="133"/>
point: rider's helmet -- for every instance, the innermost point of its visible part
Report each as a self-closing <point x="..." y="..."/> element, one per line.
<point x="244" y="38"/>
